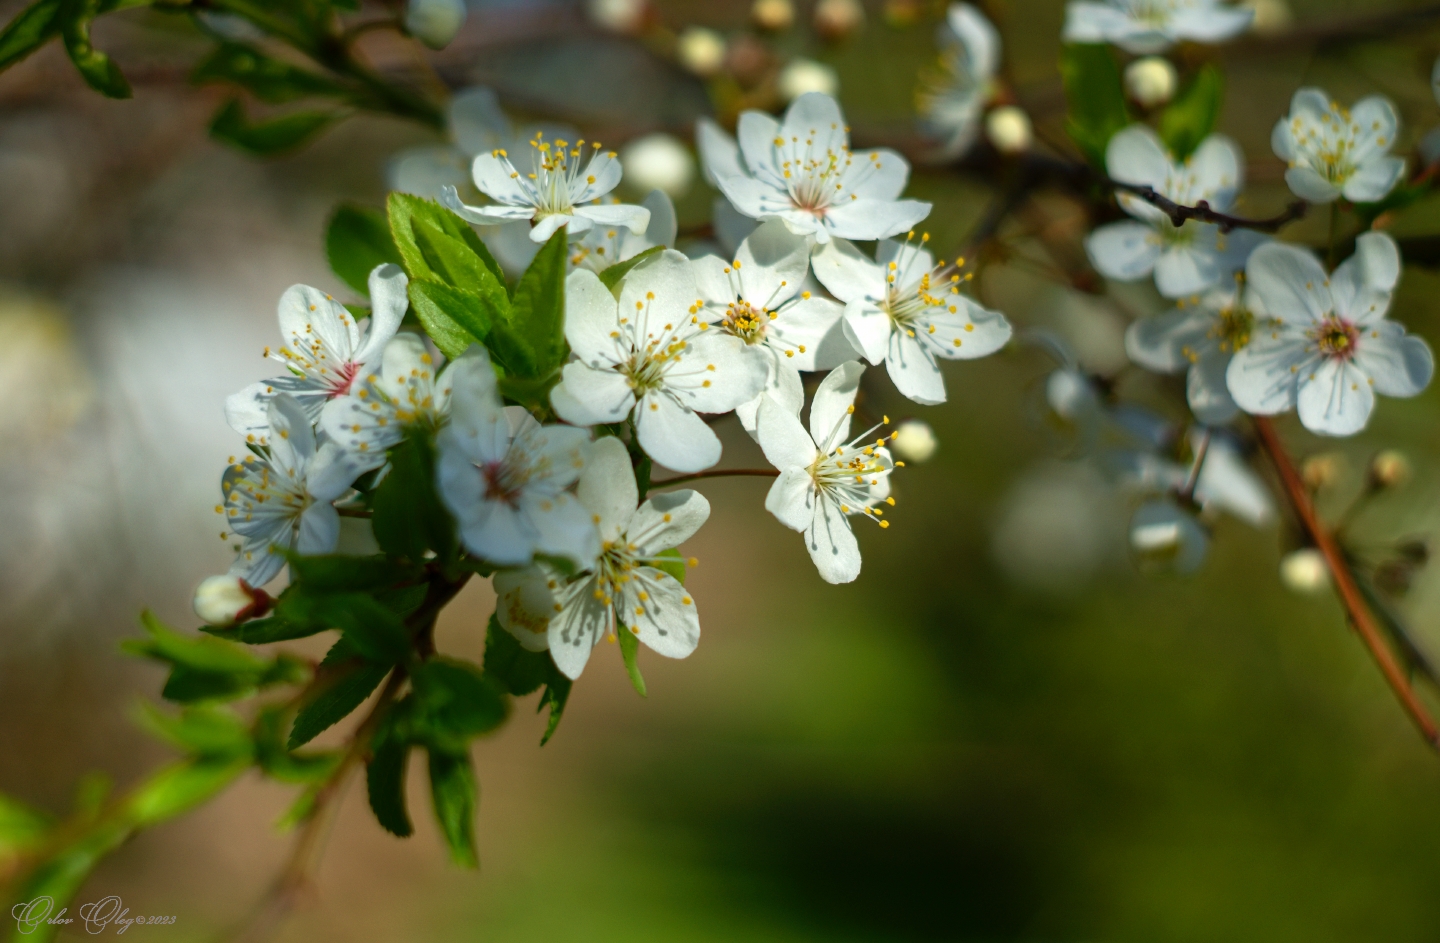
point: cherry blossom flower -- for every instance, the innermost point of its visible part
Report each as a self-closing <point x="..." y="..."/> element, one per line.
<point x="1148" y="26"/>
<point x="1326" y="347"/>
<point x="324" y="350"/>
<point x="1334" y="152"/>
<point x="905" y="310"/>
<point x="826" y="476"/>
<point x="952" y="102"/>
<point x="602" y="246"/>
<point x="650" y="353"/>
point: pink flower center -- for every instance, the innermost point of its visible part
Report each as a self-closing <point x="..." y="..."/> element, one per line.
<point x="499" y="483"/>
<point x="343" y="380"/>
<point x="1336" y="338"/>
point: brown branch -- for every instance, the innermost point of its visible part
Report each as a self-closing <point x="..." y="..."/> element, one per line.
<point x="717" y="473"/>
<point x="1201" y="211"/>
<point x="1345" y="584"/>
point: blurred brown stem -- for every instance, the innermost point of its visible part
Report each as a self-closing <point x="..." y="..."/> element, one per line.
<point x="1345" y="583"/>
<point x="716" y="473"/>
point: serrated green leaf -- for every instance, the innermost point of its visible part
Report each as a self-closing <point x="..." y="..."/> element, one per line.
<point x="453" y="704"/>
<point x="275" y="758"/>
<point x="629" y="651"/>
<point x="453" y="317"/>
<point x="269" y="80"/>
<point x="453" y="793"/>
<point x="512" y="667"/>
<point x="612" y="275"/>
<point x="36" y="25"/>
<point x="1191" y="117"/>
<point x="408" y="516"/>
<point x="455" y="261"/>
<point x="326" y="573"/>
<point x="1095" y="92"/>
<point x="265" y="138"/>
<point x="351" y="685"/>
<point x="181" y="787"/>
<point x="357" y="240"/>
<point x="403" y="210"/>
<point x="385" y="785"/>
<point x="537" y="311"/>
<point x="376" y="632"/>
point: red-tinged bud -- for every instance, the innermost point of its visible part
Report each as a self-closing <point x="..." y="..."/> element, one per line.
<point x="228" y="600"/>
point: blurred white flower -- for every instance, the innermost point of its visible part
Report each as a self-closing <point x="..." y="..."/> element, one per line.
<point x="700" y="50"/>
<point x="1186" y="260"/>
<point x="1334" y="152"/>
<point x="1165" y="538"/>
<point x="906" y="311"/>
<point x="773" y="14"/>
<point x="806" y="76"/>
<point x="618" y="16"/>
<point x="1150" y="81"/>
<point x="1149" y="26"/>
<point x="1305" y="571"/>
<point x="1008" y="130"/>
<point x="1390" y="468"/>
<point x="1326" y="347"/>
<point x="1225" y="482"/>
<point x="225" y="600"/>
<point x="1271" y="16"/>
<point x="825" y="475"/>
<point x="658" y="162"/>
<point x="434" y="22"/>
<point x="952" y="102"/>
<point x="1056" y="527"/>
<point x="914" y="441"/>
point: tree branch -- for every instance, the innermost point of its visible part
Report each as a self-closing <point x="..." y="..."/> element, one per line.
<point x="1201" y="211"/>
<point x="717" y="473"/>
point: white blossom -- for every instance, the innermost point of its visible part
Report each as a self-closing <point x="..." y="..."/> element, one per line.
<point x="1224" y="481"/>
<point x="759" y="299"/>
<point x="1164" y="537"/>
<point x="225" y="600"/>
<point x="283" y="501"/>
<point x="951" y="102"/>
<point x="602" y="246"/>
<point x="905" y="310"/>
<point x="801" y="170"/>
<point x="506" y="478"/>
<point x="807" y="77"/>
<point x="826" y="476"/>
<point x="1008" y="130"/>
<point x="1149" y="26"/>
<point x="651" y="353"/>
<point x="1187" y="260"/>
<point x="324" y="350"/>
<point x="434" y="22"/>
<point x="658" y="162"/>
<point x="1335" y="152"/>
<point x="1327" y="347"/>
<point x="1150" y="81"/>
<point x="621" y="589"/>
<point x="559" y="190"/>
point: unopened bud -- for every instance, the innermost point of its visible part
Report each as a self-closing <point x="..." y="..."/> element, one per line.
<point x="806" y="75"/>
<point x="902" y="13"/>
<point x="1166" y="539"/>
<point x="225" y="600"/>
<point x="658" y="162"/>
<point x="837" y="19"/>
<point x="1389" y="469"/>
<point x="1008" y="129"/>
<point x="1321" y="471"/>
<point x="773" y="14"/>
<point x="1150" y="82"/>
<point x="1304" y="571"/>
<point x="618" y="16"/>
<point x="434" y="22"/>
<point x="701" y="50"/>
<point x="1271" y="16"/>
<point x="914" y="441"/>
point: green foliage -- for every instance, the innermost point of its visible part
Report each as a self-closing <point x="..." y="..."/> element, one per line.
<point x="344" y="687"/>
<point x="208" y="668"/>
<point x="452" y="703"/>
<point x="537" y="314"/>
<point x="274" y="755"/>
<point x="36" y="25"/>
<point x="1096" y="96"/>
<point x="269" y="80"/>
<point x="672" y="562"/>
<point x="515" y="670"/>
<point x="453" y="793"/>
<point x="409" y="518"/>
<point x="1191" y="117"/>
<point x="612" y="275"/>
<point x="378" y="634"/>
<point x="200" y="731"/>
<point x="328" y="573"/>
<point x="405" y="211"/>
<point x="385" y="783"/>
<point x="357" y="240"/>
<point x="98" y="70"/>
<point x="264" y="138"/>
<point x="21" y="827"/>
<point x="629" y="651"/>
<point x="454" y="317"/>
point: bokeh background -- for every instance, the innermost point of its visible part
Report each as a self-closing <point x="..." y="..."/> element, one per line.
<point x="999" y="732"/>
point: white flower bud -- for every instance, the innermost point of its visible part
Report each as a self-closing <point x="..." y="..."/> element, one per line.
<point x="435" y="22"/>
<point x="1271" y="16"/>
<point x="914" y="441"/>
<point x="1150" y="81"/>
<point x="226" y="600"/>
<point x="658" y="162"/>
<point x="773" y="14"/>
<point x="701" y="50"/>
<point x="837" y="19"/>
<point x="807" y="75"/>
<point x="1304" y="571"/>
<point x="618" y="16"/>
<point x="1390" y="469"/>
<point x="1322" y="471"/>
<point x="1008" y="129"/>
<point x="1165" y="538"/>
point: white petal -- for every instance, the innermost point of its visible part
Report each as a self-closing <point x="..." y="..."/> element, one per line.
<point x="1218" y="167"/>
<point x="719" y="154"/>
<point x="333" y="469"/>
<point x="633" y="218"/>
<point x="667" y="520"/>
<point x="661" y="229"/>
<point x="773" y="263"/>
<point x="977" y="35"/>
<point x="674" y="435"/>
<point x="782" y="384"/>
<point x="607" y="486"/>
<point x="1289" y="282"/>
<point x="712" y="282"/>
<point x="1373" y="179"/>
<point x="718" y="373"/>
<point x="524" y="605"/>
<point x="792" y="498"/>
<point x="1206" y="389"/>
<point x="670" y="279"/>
<point x="832" y="405"/>
<point x="319" y="529"/>
<point x="1309" y="185"/>
<point x="666" y="620"/>
<point x="388" y="302"/>
<point x="847" y="274"/>
<point x="879" y="174"/>
<point x="1181" y="271"/>
<point x="578" y="627"/>
<point x="591" y="320"/>
<point x="547" y="226"/>
<point x="492" y="214"/>
<point x="1334" y="399"/>
<point x="292" y="443"/>
<point x="1261" y="376"/>
<point x="308" y="315"/>
<point x="1163" y="341"/>
<point x="587" y="397"/>
<point x="498" y="179"/>
<point x="1136" y="155"/>
<point x="601" y="176"/>
<point x="913" y="370"/>
<point x="563" y="527"/>
<point x="1125" y="250"/>
<point x="1210" y="23"/>
<point x="782" y="438"/>
<point x="815" y="324"/>
<point x="874" y="219"/>
<point x="1397" y="363"/>
<point x="756" y="133"/>
<point x="832" y="544"/>
<point x="868" y="329"/>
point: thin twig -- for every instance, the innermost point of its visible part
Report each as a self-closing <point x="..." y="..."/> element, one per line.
<point x="1193" y="479"/>
<point x="716" y="473"/>
<point x="1345" y="585"/>
<point x="1201" y="211"/>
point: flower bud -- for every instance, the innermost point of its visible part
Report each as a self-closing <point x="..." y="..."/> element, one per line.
<point x="1165" y="538"/>
<point x="806" y="75"/>
<point x="701" y="50"/>
<point x="618" y="16"/>
<point x="1008" y="129"/>
<point x="914" y="441"/>
<point x="1389" y="469"/>
<point x="902" y="13"/>
<point x="1271" y="16"/>
<point x="658" y="162"/>
<point x="1321" y="471"/>
<point x="773" y="15"/>
<point x="837" y="19"/>
<point x="1304" y="571"/>
<point x="1150" y="82"/>
<point x="434" y="22"/>
<point x="225" y="600"/>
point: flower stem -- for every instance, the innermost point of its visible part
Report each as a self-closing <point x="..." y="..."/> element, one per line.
<point x="717" y="473"/>
<point x="1334" y="235"/>
<point x="1345" y="584"/>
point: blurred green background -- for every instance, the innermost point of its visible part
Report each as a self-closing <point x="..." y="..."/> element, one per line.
<point x="999" y="732"/>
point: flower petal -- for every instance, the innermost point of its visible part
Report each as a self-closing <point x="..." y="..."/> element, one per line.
<point x="1373" y="179"/>
<point x="1125" y="250"/>
<point x="591" y="321"/>
<point x="1164" y="342"/>
<point x="782" y="438"/>
<point x="666" y="620"/>
<point x="1309" y="185"/>
<point x="1181" y="271"/>
<point x="815" y="324"/>
<point x="773" y="262"/>
<point x="607" y="486"/>
<point x="1396" y="363"/>
<point x="833" y="404"/>
<point x="524" y="605"/>
<point x="586" y="396"/>
<point x="847" y="274"/>
<point x="868" y="330"/>
<point x="1206" y="389"/>
<point x="719" y="154"/>
<point x="717" y="373"/>
<point x="1334" y="399"/>
<point x="1289" y="282"/>
<point x="492" y="214"/>
<point x="913" y="370"/>
<point x="578" y="627"/>
<point x="667" y="520"/>
<point x="673" y="435"/>
<point x="866" y="218"/>
<point x="792" y="499"/>
<point x="633" y="218"/>
<point x="832" y="544"/>
<point x="319" y="529"/>
<point x="1261" y="376"/>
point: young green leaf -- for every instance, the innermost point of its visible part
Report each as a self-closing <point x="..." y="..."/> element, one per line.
<point x="612" y="275"/>
<point x="21" y="826"/>
<point x="455" y="260"/>
<point x="97" y="69"/>
<point x="276" y="760"/>
<point x="199" y="731"/>
<point x="453" y="793"/>
<point x="454" y="317"/>
<point x="264" y="138"/>
<point x="1096" y="95"/>
<point x="454" y="703"/>
<point x="376" y="632"/>
<point x="357" y="240"/>
<point x="348" y="687"/>
<point x="203" y="653"/>
<point x="385" y="784"/>
<point x="338" y="572"/>
<point x="269" y="80"/>
<point x="36" y="25"/>
<point x="555" y="696"/>
<point x="409" y="518"/>
<point x="672" y="562"/>
<point x="629" y="650"/>
<point x="1191" y="117"/>
<point x="538" y="309"/>
<point x="179" y="788"/>
<point x="510" y="666"/>
<point x="405" y="210"/>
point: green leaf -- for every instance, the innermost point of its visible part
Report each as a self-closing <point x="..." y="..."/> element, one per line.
<point x="357" y="240"/>
<point x="385" y="784"/>
<point x="274" y="628"/>
<point x="672" y="562"/>
<point x="181" y="787"/>
<point x="453" y="793"/>
<point x="555" y="696"/>
<point x="409" y="518"/>
<point x="339" y="572"/>
<point x="269" y="80"/>
<point x="538" y="309"/>
<point x="612" y="275"/>
<point x="404" y="210"/>
<point x="454" y="318"/>
<point x="376" y="632"/>
<point x="533" y="394"/>
<point x="453" y="704"/>
<point x="21" y="826"/>
<point x="275" y="758"/>
<point x="99" y="70"/>
<point x="1191" y="117"/>
<point x="629" y="650"/>
<point x="456" y="260"/>
<point x="264" y="138"/>
<point x="1096" y="95"/>
<point x="512" y="667"/>
<point x="199" y="731"/>
<point x="350" y="685"/>
<point x="31" y="29"/>
<point x="209" y="668"/>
